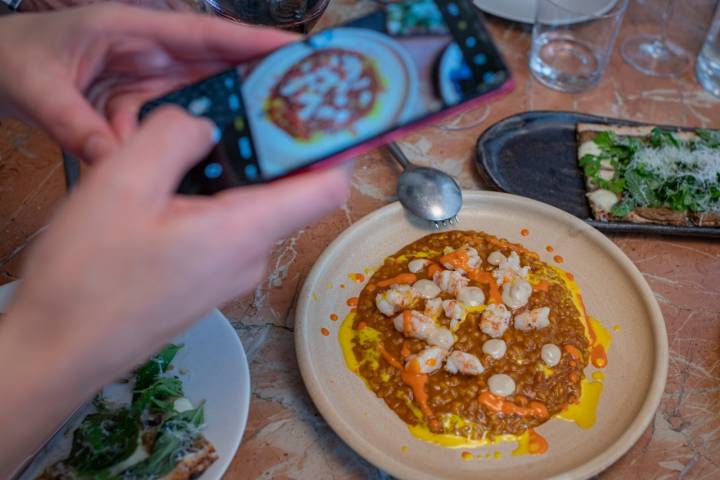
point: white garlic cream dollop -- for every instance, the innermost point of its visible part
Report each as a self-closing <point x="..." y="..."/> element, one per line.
<point x="516" y="293"/>
<point x="550" y="354"/>
<point x="501" y="385"/>
<point x="496" y="348"/>
<point x="495" y="258"/>
<point x="426" y="289"/>
<point x="471" y="296"/>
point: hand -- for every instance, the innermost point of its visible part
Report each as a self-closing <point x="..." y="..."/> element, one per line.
<point x="44" y="5"/>
<point x="82" y="74"/>
<point x="126" y="265"/>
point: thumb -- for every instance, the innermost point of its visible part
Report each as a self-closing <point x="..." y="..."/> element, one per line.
<point x="163" y="149"/>
<point x="68" y="117"/>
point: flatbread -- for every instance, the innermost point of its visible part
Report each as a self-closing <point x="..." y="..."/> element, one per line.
<point x="587" y="132"/>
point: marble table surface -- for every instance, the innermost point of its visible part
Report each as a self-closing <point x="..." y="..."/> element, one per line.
<point x="286" y="437"/>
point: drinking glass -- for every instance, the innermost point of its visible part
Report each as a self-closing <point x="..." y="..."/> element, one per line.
<point x="572" y="41"/>
<point x="657" y="55"/>
<point x="296" y="15"/>
<point x="708" y="63"/>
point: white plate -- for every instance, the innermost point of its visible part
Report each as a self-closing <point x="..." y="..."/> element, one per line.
<point x="217" y="372"/>
<point x="613" y="289"/>
<point x="515" y="10"/>
<point x="524" y="10"/>
<point x="395" y="103"/>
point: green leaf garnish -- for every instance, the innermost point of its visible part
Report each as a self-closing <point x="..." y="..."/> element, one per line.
<point x="156" y="366"/>
<point x="104" y="439"/>
<point x="176" y="437"/>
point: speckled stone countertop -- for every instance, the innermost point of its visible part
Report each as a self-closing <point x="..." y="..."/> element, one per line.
<point x="286" y="437"/>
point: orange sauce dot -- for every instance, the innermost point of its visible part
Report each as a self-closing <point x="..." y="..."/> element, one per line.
<point x="325" y="331"/>
<point x="550" y="249"/>
<point x="467" y="456"/>
<point x="524" y="232"/>
<point x="598" y="357"/>
<point x="558" y="259"/>
<point x="352" y="302"/>
<point x="334" y="317"/>
<point x="342" y="285"/>
<point x="570" y="275"/>
<point x="357" y="277"/>
<point x="537" y="444"/>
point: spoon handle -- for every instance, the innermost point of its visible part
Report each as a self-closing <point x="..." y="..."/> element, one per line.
<point x="397" y="153"/>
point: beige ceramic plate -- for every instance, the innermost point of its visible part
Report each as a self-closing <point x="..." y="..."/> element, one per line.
<point x="614" y="292"/>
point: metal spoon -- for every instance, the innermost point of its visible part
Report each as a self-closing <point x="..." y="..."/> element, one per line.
<point x="428" y="193"/>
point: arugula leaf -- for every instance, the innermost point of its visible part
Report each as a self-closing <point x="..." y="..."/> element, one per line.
<point x="158" y="397"/>
<point x="660" y="138"/>
<point x="104" y="439"/>
<point x="711" y="138"/>
<point x="156" y="366"/>
<point x="591" y="164"/>
<point x="176" y="436"/>
<point x="624" y="207"/>
<point x="641" y="186"/>
<point x="616" y="185"/>
<point x="604" y="139"/>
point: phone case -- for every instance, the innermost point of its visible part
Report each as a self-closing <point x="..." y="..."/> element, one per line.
<point x="254" y="146"/>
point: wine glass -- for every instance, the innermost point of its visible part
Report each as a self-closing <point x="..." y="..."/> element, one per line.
<point x="656" y="55"/>
<point x="295" y="15"/>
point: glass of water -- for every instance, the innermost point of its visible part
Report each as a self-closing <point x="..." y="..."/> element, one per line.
<point x="572" y="41"/>
<point x="708" y="63"/>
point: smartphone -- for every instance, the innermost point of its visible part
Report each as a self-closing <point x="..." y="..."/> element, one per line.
<point x="342" y="91"/>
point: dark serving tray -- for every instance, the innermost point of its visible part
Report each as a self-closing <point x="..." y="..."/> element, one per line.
<point x="534" y="154"/>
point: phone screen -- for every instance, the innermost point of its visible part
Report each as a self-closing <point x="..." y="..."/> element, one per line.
<point x="313" y="99"/>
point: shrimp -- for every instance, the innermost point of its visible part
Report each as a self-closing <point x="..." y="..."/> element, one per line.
<point x="414" y="324"/>
<point x="395" y="299"/>
<point x="495" y="320"/>
<point x="433" y="307"/>
<point x="535" y="319"/>
<point x="466" y="257"/>
<point x="426" y="289"/>
<point x="455" y="311"/>
<point x="471" y="296"/>
<point x="450" y="281"/>
<point x="508" y="268"/>
<point x="418" y="265"/>
<point x="516" y="293"/>
<point x="465" y="363"/>
<point x="430" y="359"/>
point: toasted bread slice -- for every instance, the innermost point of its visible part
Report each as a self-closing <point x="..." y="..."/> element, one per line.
<point x="586" y="132"/>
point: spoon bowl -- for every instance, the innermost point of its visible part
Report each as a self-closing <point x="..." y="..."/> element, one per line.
<point x="427" y="193"/>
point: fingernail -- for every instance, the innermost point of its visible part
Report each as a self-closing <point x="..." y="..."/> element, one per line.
<point x="96" y="147"/>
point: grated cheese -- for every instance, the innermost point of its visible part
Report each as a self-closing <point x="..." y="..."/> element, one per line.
<point x="669" y="162"/>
